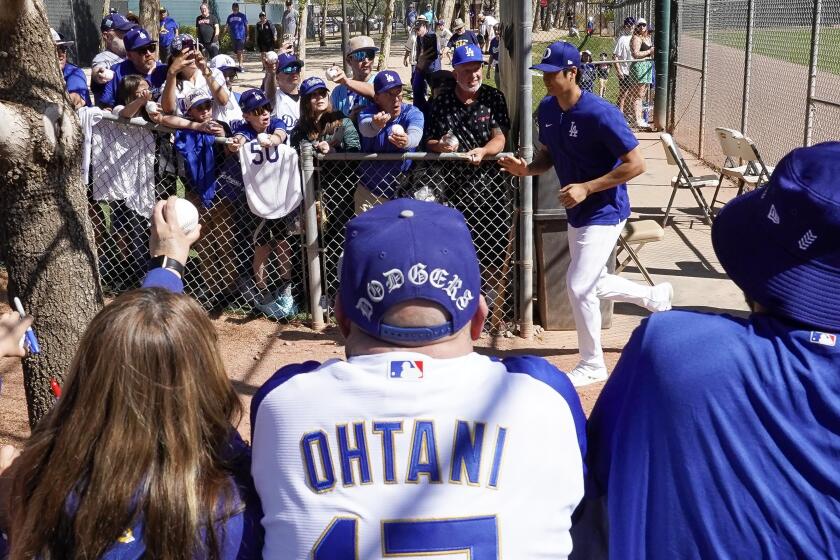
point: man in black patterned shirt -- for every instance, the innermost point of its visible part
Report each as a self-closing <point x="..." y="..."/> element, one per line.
<point x="477" y="116"/>
<point x="475" y="113"/>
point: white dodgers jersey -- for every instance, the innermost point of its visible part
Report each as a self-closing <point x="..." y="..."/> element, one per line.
<point x="399" y="454"/>
<point x="272" y="179"/>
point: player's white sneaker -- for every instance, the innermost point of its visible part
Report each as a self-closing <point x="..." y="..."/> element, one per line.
<point x="585" y="374"/>
<point x="661" y="296"/>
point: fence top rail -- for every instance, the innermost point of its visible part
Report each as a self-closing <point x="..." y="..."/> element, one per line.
<point x="140" y="122"/>
<point x="417" y="156"/>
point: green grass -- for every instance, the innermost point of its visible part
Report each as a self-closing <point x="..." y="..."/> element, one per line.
<point x="791" y="44"/>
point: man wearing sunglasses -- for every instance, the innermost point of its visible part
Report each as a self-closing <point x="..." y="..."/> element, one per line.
<point x="141" y="58"/>
<point x="353" y="95"/>
<point x="283" y="86"/>
<point x="73" y="75"/>
<point x="113" y="28"/>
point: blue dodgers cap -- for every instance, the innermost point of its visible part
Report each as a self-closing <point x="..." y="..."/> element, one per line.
<point x="385" y="80"/>
<point x="466" y="54"/>
<point x="116" y="21"/>
<point x="558" y="56"/>
<point x="285" y="60"/>
<point x="312" y="84"/>
<point x="137" y="38"/>
<point x="253" y="99"/>
<point x="404" y="250"/>
<point x="779" y="243"/>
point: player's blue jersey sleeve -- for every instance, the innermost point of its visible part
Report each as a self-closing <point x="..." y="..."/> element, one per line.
<point x="542" y="370"/>
<point x="275" y="124"/>
<point x="76" y="83"/>
<point x="163" y="278"/>
<point x="615" y="133"/>
<point x="280" y="376"/>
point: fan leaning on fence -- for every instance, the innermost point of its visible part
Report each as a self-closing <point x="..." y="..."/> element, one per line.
<point x="595" y="154"/>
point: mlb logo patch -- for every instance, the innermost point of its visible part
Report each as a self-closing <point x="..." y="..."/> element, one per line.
<point x="826" y="339"/>
<point x="411" y="370"/>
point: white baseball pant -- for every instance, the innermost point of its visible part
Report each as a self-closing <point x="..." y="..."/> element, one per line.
<point x="588" y="282"/>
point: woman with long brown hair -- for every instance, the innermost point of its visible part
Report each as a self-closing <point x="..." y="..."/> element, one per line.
<point x="327" y="129"/>
<point x="139" y="457"/>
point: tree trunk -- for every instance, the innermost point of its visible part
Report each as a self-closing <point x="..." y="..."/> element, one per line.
<point x="535" y="7"/>
<point x="304" y="18"/>
<point x="150" y="17"/>
<point x="324" y="6"/>
<point x="47" y="237"/>
<point x="386" y="35"/>
<point x="447" y="13"/>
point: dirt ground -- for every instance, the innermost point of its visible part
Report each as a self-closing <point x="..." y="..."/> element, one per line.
<point x="253" y="349"/>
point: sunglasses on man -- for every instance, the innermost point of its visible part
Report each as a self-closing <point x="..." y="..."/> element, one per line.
<point x="359" y="56"/>
<point x="145" y="50"/>
<point x="289" y="70"/>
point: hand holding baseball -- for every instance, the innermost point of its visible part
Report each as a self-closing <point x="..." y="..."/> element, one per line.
<point x="264" y="140"/>
<point x="168" y="238"/>
<point x="323" y="147"/>
<point x="398" y="139"/>
<point x="12" y="329"/>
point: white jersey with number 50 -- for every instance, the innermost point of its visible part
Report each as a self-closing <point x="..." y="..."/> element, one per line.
<point x="272" y="179"/>
<point x="399" y="454"/>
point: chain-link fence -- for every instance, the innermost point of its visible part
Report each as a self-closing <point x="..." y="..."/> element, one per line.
<point x="484" y="194"/>
<point x="770" y="69"/>
<point x="242" y="263"/>
<point x="611" y="71"/>
<point x="250" y="265"/>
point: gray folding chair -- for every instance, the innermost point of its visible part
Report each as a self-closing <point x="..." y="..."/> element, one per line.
<point x="638" y="233"/>
<point x="753" y="173"/>
<point x="685" y="179"/>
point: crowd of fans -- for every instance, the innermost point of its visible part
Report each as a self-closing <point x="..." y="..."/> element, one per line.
<point x="173" y="79"/>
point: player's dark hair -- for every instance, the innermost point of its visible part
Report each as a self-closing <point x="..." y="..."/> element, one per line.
<point x="140" y="431"/>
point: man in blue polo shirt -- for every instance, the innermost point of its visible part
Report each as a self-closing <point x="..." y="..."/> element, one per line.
<point x="237" y="27"/>
<point x="388" y="126"/>
<point x="594" y="154"/>
<point x="717" y="436"/>
<point x="140" y="59"/>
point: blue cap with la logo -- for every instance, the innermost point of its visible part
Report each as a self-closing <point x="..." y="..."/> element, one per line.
<point x="385" y="80"/>
<point x="466" y="54"/>
<point x="558" y="56"/>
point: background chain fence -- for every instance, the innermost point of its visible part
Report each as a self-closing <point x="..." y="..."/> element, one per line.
<point x="486" y="196"/>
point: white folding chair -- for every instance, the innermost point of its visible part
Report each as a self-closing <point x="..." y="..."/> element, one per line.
<point x="638" y="233"/>
<point x="736" y="146"/>
<point x="685" y="179"/>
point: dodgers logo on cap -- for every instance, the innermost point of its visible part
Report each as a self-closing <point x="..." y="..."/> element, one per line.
<point x="559" y="56"/>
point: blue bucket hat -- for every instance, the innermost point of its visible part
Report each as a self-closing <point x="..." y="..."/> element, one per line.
<point x="253" y="99"/>
<point x="137" y="38"/>
<point x="404" y="250"/>
<point x="385" y="80"/>
<point x="312" y="84"/>
<point x="781" y="243"/>
<point x="466" y="54"/>
<point x="558" y="56"/>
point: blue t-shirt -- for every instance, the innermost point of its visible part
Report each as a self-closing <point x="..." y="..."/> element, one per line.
<point x="382" y="178"/>
<point x="585" y="143"/>
<point x="494" y="49"/>
<point x="245" y="129"/>
<point x="76" y="82"/>
<point x="156" y="78"/>
<point x="718" y="437"/>
<point x="468" y="37"/>
<point x="168" y="28"/>
<point x="238" y="24"/>
<point x="345" y="99"/>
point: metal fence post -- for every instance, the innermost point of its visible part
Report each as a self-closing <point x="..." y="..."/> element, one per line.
<point x="313" y="251"/>
<point x="704" y="64"/>
<point x="661" y="61"/>
<point x="526" y="211"/>
<point x="812" y="72"/>
<point x="745" y="99"/>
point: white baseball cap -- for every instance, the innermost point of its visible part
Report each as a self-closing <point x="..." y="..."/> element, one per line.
<point x="58" y="39"/>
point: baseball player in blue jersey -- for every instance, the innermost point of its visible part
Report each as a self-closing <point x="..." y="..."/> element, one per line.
<point x="594" y="154"/>
<point x="717" y="436"/>
<point x="415" y="445"/>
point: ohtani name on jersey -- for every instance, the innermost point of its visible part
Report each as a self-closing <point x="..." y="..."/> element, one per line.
<point x="472" y="459"/>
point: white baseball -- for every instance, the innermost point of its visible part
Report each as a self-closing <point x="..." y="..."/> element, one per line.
<point x="151" y="107"/>
<point x="108" y="74"/>
<point x="397" y="129"/>
<point x="262" y="137"/>
<point x="271" y="57"/>
<point x="332" y="73"/>
<point x="187" y="214"/>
